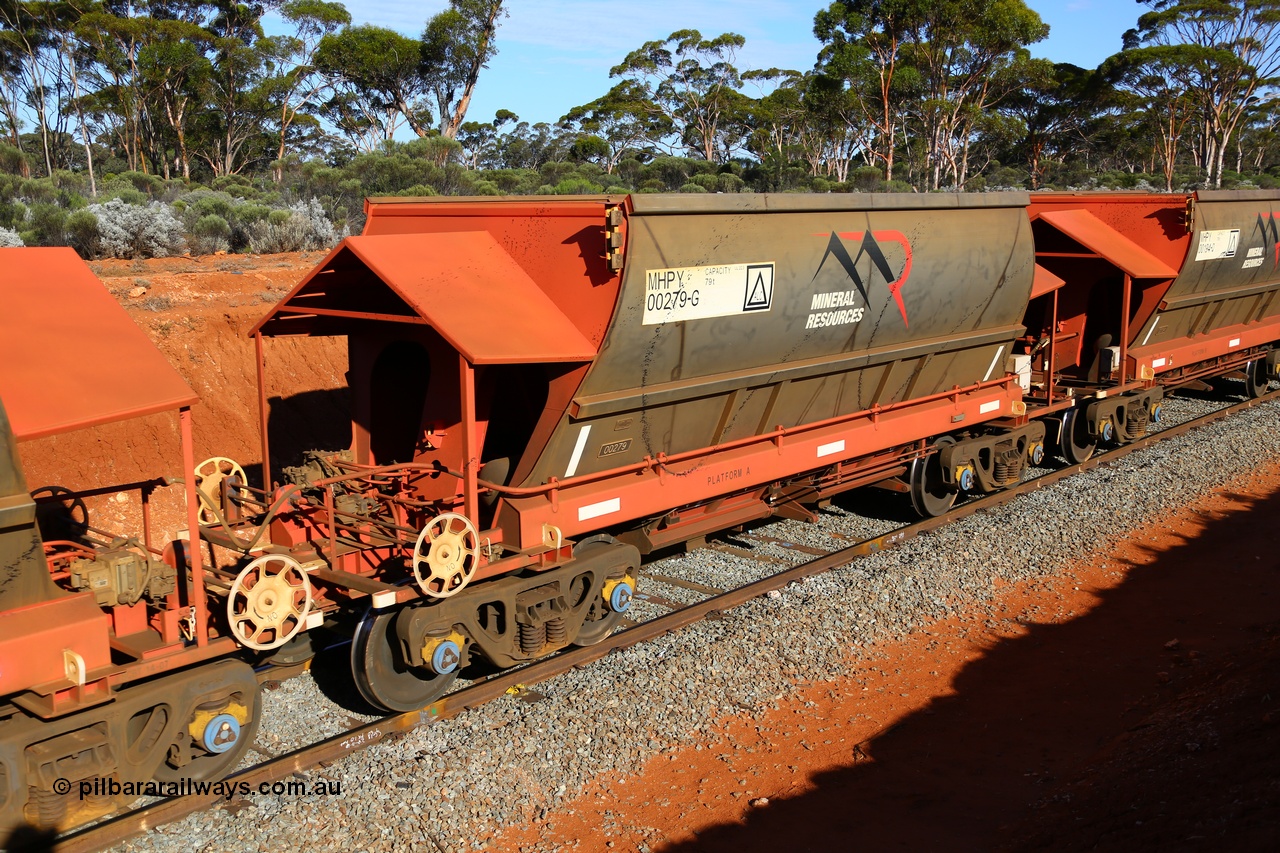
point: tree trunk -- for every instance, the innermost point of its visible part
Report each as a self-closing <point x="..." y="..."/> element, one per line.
<point x="473" y="73"/>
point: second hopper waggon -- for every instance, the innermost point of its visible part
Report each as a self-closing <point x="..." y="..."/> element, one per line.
<point x="543" y="390"/>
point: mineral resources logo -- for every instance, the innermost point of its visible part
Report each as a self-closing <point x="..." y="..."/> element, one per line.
<point x="833" y="308"/>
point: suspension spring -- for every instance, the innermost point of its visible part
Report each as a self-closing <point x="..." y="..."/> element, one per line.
<point x="100" y="798"/>
<point x="51" y="808"/>
<point x="1136" y="424"/>
<point x="532" y="638"/>
<point x="557" y="632"/>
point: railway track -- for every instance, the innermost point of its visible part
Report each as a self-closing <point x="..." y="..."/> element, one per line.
<point x="119" y="828"/>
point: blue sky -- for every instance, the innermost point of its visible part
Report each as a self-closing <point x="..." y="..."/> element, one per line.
<point x="556" y="54"/>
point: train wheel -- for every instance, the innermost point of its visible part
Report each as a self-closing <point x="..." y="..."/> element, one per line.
<point x="1074" y="443"/>
<point x="216" y="736"/>
<point x="602" y="619"/>
<point x="382" y="675"/>
<point x="1255" y="378"/>
<point x="930" y="494"/>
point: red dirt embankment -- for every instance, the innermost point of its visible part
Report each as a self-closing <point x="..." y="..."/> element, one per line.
<point x="198" y="311"/>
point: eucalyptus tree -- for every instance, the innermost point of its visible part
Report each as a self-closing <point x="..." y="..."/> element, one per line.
<point x="623" y="122"/>
<point x="970" y="55"/>
<point x="376" y="83"/>
<point x="237" y="108"/>
<point x="862" y="55"/>
<point x="480" y="140"/>
<point x="1151" y="77"/>
<point x="835" y="129"/>
<point x="26" y="40"/>
<point x="1222" y="53"/>
<point x="294" y="83"/>
<point x="777" y="118"/>
<point x="1052" y="107"/>
<point x="688" y="86"/>
<point x="456" y="44"/>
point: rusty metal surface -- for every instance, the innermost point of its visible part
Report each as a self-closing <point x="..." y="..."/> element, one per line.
<point x="128" y="825"/>
<point x="70" y="357"/>
<point x="842" y="304"/>
<point x="463" y="284"/>
<point x="1091" y="232"/>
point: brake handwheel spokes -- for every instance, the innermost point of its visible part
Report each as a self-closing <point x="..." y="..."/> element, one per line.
<point x="211" y="476"/>
<point x="269" y="602"/>
<point x="446" y="555"/>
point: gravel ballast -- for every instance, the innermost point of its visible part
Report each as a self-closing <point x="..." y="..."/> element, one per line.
<point x="443" y="786"/>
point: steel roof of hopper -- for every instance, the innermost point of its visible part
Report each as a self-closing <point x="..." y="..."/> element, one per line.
<point x="463" y="284"/>
<point x="70" y="356"/>
<point x="1097" y="236"/>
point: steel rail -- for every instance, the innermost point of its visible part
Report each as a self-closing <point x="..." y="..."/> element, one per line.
<point x="116" y="829"/>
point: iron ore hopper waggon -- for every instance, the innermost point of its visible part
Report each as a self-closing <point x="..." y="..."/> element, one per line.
<point x="545" y="390"/>
<point x="112" y="665"/>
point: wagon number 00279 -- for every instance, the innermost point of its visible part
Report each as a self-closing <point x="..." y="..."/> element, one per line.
<point x="673" y="299"/>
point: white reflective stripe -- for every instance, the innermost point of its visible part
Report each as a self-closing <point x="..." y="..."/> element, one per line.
<point x="1159" y="362"/>
<point x="577" y="451"/>
<point x="994" y="359"/>
<point x="828" y="449"/>
<point x="598" y="509"/>
<point x="316" y="618"/>
<point x="1154" y="323"/>
<point x="1234" y="342"/>
<point x="386" y="598"/>
<point x="993" y="406"/>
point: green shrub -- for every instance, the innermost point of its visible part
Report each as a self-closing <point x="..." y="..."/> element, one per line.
<point x="577" y="186"/>
<point x="866" y="179"/>
<point x="82" y="233"/>
<point x="485" y="187"/>
<point x="13" y="161"/>
<point x="706" y="181"/>
<point x="210" y="234"/>
<point x="149" y="185"/>
<point x="203" y="202"/>
<point x="12" y="214"/>
<point x="691" y="187"/>
<point x="47" y="224"/>
<point x="729" y="182"/>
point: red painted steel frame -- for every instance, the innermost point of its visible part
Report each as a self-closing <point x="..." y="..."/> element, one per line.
<point x="470" y="440"/>
<point x="193" y="533"/>
<point x="1189" y="351"/>
<point x="654" y="487"/>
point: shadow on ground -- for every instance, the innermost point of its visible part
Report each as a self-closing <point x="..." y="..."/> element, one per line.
<point x="1097" y="733"/>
